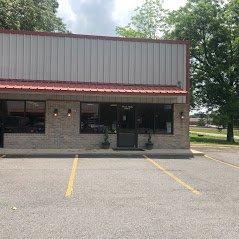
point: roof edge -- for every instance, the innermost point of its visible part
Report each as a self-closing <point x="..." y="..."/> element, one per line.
<point x="89" y="88"/>
<point x="10" y="80"/>
<point x="94" y="37"/>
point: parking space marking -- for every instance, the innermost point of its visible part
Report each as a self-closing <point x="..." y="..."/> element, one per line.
<point x="72" y="177"/>
<point x="174" y="177"/>
<point x="222" y="162"/>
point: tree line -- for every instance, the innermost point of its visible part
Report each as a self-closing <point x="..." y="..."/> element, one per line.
<point x="212" y="27"/>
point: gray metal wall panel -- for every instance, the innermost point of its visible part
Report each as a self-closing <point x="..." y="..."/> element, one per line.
<point x="168" y="76"/>
<point x="156" y="63"/>
<point x="180" y="63"/>
<point x="138" y="62"/>
<point x="35" y="57"/>
<point x="94" y="67"/>
<point x="162" y="62"/>
<point x="174" y="64"/>
<point x="144" y="65"/>
<point x="125" y="63"/>
<point x="113" y="61"/>
<point x="150" y="63"/>
<point x="106" y="63"/>
<point x="100" y="61"/>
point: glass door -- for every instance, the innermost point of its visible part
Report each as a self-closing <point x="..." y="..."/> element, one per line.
<point x="126" y="131"/>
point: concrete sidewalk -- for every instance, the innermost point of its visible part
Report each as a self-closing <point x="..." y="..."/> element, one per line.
<point x="99" y="153"/>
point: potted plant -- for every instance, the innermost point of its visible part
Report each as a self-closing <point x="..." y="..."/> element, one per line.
<point x="106" y="144"/>
<point x="149" y="144"/>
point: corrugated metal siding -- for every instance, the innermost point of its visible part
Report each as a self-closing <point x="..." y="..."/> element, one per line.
<point x="52" y="58"/>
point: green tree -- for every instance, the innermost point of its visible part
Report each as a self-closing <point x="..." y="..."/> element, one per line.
<point x="212" y="27"/>
<point x="30" y="15"/>
<point x="146" y="21"/>
<point x="201" y="122"/>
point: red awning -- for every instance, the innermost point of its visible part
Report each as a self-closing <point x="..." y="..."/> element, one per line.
<point x="65" y="87"/>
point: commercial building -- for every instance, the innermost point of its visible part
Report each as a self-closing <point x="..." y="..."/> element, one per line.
<point x="64" y="90"/>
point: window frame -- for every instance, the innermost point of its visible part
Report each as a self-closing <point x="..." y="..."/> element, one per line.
<point x="136" y="111"/>
<point x="5" y="115"/>
<point x="164" y="133"/>
<point x="99" y="111"/>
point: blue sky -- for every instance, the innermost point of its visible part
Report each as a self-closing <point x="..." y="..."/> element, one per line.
<point x="99" y="17"/>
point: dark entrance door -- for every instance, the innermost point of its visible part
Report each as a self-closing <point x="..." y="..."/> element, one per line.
<point x="126" y="135"/>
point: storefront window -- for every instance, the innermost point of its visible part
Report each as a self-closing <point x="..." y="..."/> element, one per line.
<point x="35" y="117"/>
<point x="108" y="116"/>
<point x="25" y="117"/>
<point x="90" y="118"/>
<point x="163" y="119"/>
<point x="95" y="118"/>
<point x="154" y="118"/>
<point x="145" y="118"/>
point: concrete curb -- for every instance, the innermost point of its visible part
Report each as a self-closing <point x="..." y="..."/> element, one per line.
<point x="104" y="154"/>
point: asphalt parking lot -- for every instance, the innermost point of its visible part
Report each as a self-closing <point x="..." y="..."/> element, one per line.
<point x="120" y="197"/>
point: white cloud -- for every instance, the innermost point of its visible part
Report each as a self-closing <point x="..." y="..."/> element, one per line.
<point x="100" y="17"/>
<point x="123" y="10"/>
<point x="66" y="12"/>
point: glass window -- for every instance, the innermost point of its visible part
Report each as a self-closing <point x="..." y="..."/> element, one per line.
<point x="90" y="122"/>
<point x="145" y="118"/>
<point x="15" y="120"/>
<point x="96" y="117"/>
<point x="25" y="117"/>
<point x="108" y="116"/>
<point x="164" y="119"/>
<point x="35" y="117"/>
<point x="157" y="118"/>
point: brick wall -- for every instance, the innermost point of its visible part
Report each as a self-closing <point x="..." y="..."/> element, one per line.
<point x="63" y="131"/>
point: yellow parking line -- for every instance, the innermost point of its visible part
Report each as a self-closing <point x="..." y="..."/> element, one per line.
<point x="222" y="162"/>
<point x="72" y="177"/>
<point x="185" y="185"/>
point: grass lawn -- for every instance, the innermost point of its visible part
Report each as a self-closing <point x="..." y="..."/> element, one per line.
<point x="194" y="138"/>
<point x="212" y="130"/>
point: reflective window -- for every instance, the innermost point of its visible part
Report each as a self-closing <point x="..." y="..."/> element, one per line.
<point x="25" y="117"/>
<point x="90" y="118"/>
<point x="145" y="118"/>
<point x="95" y="118"/>
<point x="108" y="116"/>
<point x="163" y="119"/>
<point x="126" y="117"/>
<point x="35" y="117"/>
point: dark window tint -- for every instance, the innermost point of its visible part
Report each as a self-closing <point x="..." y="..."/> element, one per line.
<point x="90" y="122"/>
<point x="126" y="117"/>
<point x="163" y="118"/>
<point x="145" y="118"/>
<point x="25" y="117"/>
<point x="108" y="116"/>
<point x="35" y="116"/>
<point x="15" y="116"/>
<point x="95" y="118"/>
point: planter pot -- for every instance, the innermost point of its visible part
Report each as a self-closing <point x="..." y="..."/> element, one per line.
<point x="105" y="145"/>
<point x="149" y="145"/>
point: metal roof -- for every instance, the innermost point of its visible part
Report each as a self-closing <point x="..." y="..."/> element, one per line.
<point x="89" y="88"/>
